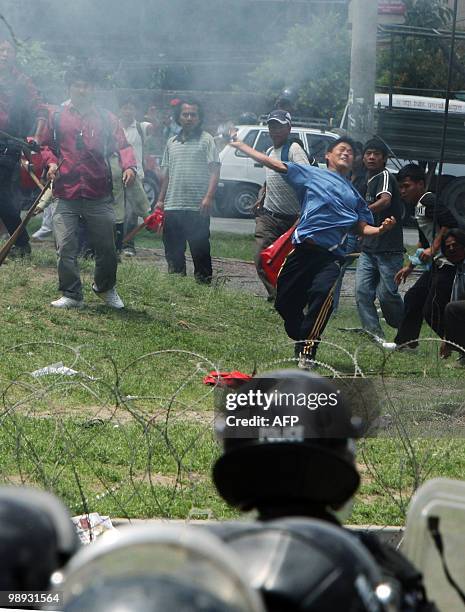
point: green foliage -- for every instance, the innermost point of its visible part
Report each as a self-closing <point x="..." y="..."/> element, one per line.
<point x="427" y="13"/>
<point x="420" y="64"/>
<point x="46" y="70"/>
<point x="315" y="60"/>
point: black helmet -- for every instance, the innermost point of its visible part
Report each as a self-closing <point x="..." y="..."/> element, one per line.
<point x="306" y="565"/>
<point x="247" y="118"/>
<point x="156" y="568"/>
<point x="37" y="537"/>
<point x="271" y="460"/>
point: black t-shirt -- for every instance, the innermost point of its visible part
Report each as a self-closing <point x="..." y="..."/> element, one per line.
<point x="425" y="208"/>
<point x="392" y="241"/>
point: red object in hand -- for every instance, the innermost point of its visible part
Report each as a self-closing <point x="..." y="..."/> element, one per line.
<point x="154" y="222"/>
<point x="226" y="379"/>
<point x="273" y="257"/>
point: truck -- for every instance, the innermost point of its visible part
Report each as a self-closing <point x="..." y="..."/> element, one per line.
<point x="412" y="126"/>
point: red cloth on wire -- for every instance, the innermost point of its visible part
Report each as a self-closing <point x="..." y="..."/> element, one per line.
<point x="226" y="379"/>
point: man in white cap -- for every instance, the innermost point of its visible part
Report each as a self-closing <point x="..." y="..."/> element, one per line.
<point x="281" y="207"/>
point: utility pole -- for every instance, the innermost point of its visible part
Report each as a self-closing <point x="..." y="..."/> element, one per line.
<point x="364" y="15"/>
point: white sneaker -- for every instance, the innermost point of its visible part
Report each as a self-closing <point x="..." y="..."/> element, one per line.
<point x="305" y="363"/>
<point x="41" y="234"/>
<point x="110" y="297"/>
<point x="66" y="302"/>
<point x="389" y="346"/>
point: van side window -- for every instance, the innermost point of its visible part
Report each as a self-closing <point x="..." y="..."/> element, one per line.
<point x="317" y="145"/>
<point x="264" y="141"/>
<point x="249" y="140"/>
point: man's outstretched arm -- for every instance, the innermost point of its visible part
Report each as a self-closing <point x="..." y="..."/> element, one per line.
<point x="274" y="164"/>
<point x="364" y="229"/>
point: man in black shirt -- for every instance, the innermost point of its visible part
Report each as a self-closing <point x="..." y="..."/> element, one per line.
<point x="453" y="246"/>
<point x="382" y="256"/>
<point x="428" y="297"/>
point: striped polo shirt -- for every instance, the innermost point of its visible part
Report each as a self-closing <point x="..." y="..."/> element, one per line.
<point x="187" y="162"/>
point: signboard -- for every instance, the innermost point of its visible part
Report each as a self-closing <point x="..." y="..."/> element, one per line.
<point x="391" y="7"/>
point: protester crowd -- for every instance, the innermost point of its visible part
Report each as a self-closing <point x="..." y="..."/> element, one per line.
<point x="298" y="555"/>
<point x="94" y="163"/>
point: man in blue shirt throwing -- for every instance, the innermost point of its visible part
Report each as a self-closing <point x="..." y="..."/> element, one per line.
<point x="330" y="208"/>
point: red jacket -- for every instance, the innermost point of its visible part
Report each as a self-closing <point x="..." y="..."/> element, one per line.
<point x="20" y="103"/>
<point x="84" y="142"/>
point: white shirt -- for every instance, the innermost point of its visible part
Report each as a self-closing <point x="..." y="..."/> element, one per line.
<point x="134" y="139"/>
<point x="280" y="197"/>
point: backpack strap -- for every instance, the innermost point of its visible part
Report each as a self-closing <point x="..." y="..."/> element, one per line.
<point x="107" y="135"/>
<point x="56" y="129"/>
<point x="106" y="131"/>
<point x="285" y="151"/>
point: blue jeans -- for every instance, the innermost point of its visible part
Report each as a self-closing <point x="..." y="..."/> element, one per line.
<point x="375" y="278"/>
<point x="352" y="246"/>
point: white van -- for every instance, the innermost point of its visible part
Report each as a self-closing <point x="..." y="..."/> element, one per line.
<point x="242" y="177"/>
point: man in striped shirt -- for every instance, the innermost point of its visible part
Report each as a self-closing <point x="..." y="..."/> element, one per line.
<point x="382" y="255"/>
<point x="191" y="168"/>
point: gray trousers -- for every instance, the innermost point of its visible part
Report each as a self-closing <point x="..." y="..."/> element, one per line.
<point x="100" y="219"/>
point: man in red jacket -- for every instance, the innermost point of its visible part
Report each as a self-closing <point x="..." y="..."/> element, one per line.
<point x="21" y="111"/>
<point x="82" y="136"/>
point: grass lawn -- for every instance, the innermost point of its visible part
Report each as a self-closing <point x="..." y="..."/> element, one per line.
<point x="131" y="434"/>
<point x="223" y="244"/>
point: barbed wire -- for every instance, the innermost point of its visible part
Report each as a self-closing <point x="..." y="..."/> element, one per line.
<point x="137" y="440"/>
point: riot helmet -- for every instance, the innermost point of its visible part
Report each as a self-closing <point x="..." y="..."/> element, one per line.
<point x="277" y="459"/>
<point x="155" y="569"/>
<point x="34" y="525"/>
<point x="247" y="118"/>
<point x="307" y="565"/>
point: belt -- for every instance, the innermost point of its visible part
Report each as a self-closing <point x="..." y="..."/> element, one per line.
<point x="310" y="245"/>
<point x="279" y="216"/>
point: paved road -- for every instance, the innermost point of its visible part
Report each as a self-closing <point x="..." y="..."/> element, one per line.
<point x="247" y="226"/>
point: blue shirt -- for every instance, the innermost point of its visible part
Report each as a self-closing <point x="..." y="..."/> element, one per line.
<point x="330" y="206"/>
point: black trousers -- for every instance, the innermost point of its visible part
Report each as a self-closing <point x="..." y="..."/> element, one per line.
<point x="426" y="300"/>
<point x="188" y="226"/>
<point x="304" y="295"/>
<point x="454" y="323"/>
<point x="8" y="213"/>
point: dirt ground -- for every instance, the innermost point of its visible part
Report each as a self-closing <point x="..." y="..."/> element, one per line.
<point x="242" y="276"/>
